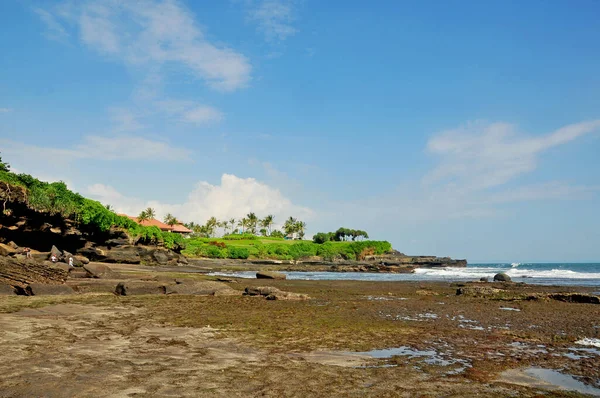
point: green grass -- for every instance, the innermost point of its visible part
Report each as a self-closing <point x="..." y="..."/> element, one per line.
<point x="265" y="248"/>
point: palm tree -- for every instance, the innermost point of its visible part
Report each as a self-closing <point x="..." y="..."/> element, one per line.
<point x="267" y="222"/>
<point x="223" y="224"/>
<point x="150" y="213"/>
<point x="170" y="220"/>
<point x="243" y="223"/>
<point x="252" y="221"/>
<point x="232" y="223"/>
<point x="290" y="225"/>
<point x="143" y="217"/>
<point x="211" y="224"/>
<point x="299" y="227"/>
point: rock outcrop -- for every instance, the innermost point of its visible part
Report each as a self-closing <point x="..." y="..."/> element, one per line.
<point x="20" y="273"/>
<point x="271" y="293"/>
<point x="270" y="275"/>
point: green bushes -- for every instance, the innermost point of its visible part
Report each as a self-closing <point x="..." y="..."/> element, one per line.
<point x="286" y="251"/>
<point x="56" y="198"/>
<point x="238" y="252"/>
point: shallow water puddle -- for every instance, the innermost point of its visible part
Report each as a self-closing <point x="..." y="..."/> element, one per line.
<point x="547" y="379"/>
<point x="361" y="359"/>
<point x="510" y="309"/>
<point x="430" y="357"/>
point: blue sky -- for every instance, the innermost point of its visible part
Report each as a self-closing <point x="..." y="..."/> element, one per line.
<point x="461" y="128"/>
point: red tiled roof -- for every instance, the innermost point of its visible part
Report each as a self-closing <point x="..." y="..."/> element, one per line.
<point x="162" y="226"/>
<point x="181" y="229"/>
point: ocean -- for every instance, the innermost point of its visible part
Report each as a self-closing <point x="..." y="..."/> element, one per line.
<point x="575" y="274"/>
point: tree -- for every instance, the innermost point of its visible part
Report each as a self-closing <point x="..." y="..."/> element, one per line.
<point x="299" y="228"/>
<point x="243" y="223"/>
<point x="223" y="224"/>
<point x="267" y="222"/>
<point x="322" y="237"/>
<point x="277" y="234"/>
<point x="252" y="222"/>
<point x="170" y="220"/>
<point x="263" y="231"/>
<point x="150" y="213"/>
<point x="4" y="166"/>
<point x="211" y="225"/>
<point x="232" y="223"/>
<point x="289" y="227"/>
<point x="143" y="217"/>
<point x="109" y="207"/>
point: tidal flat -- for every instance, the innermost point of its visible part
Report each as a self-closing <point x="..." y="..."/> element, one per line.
<point x="351" y="338"/>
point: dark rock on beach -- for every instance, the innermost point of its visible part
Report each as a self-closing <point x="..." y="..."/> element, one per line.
<point x="502" y="277"/>
<point x="40" y="289"/>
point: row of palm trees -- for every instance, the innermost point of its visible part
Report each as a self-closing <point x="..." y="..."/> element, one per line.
<point x="250" y="224"/>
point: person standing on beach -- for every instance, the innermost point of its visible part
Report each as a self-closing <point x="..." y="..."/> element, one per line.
<point x="70" y="261"/>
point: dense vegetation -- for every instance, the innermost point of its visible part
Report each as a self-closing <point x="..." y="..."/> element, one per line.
<point x="248" y="225"/>
<point x="55" y="198"/>
<point x="269" y="248"/>
<point x="341" y="235"/>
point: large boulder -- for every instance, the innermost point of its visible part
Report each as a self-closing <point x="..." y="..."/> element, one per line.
<point x="502" y="277"/>
<point x="270" y="275"/>
<point x="100" y="271"/>
<point x="202" y="288"/>
<point x="131" y="288"/>
<point x="121" y="254"/>
<point x="6" y="250"/>
<point x="160" y="257"/>
<point x="6" y="290"/>
<point x="56" y="252"/>
<point x="40" y="289"/>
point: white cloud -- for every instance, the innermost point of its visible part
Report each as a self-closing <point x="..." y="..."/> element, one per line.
<point x="125" y="120"/>
<point x="5" y="110"/>
<point x="191" y="112"/>
<point x="233" y="198"/>
<point x="103" y="148"/>
<point x="274" y="18"/>
<point x="203" y="115"/>
<point x="55" y="30"/>
<point x="149" y="34"/>
<point x="479" y="156"/>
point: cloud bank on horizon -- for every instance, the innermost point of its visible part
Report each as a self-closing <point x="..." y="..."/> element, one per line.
<point x="250" y="105"/>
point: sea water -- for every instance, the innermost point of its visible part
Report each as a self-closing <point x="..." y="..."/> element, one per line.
<point x="577" y="274"/>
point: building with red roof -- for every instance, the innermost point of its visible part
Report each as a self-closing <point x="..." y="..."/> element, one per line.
<point x="177" y="228"/>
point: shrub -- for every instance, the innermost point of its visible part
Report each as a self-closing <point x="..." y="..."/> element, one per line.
<point x="56" y="198"/>
<point x="220" y="245"/>
<point x="238" y="252"/>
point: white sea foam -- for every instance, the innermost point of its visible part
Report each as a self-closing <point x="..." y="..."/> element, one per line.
<point x="513" y="272"/>
<point x="515" y="265"/>
<point x="589" y="341"/>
